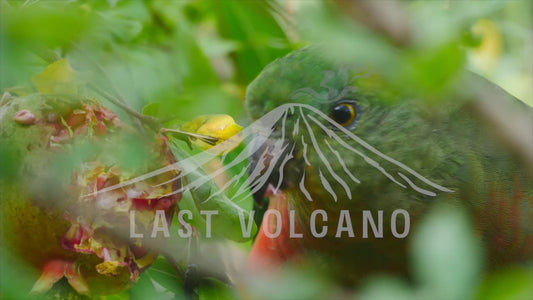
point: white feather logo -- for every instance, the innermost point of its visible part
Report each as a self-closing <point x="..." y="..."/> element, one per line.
<point x="279" y="151"/>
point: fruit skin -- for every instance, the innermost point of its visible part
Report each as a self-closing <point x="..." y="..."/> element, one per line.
<point x="44" y="218"/>
<point x="444" y="141"/>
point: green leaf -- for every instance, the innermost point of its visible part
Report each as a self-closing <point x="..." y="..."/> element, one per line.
<point x="124" y="295"/>
<point x="446" y="256"/>
<point x="148" y="288"/>
<point x="165" y="275"/>
<point x="511" y="283"/>
<point x="123" y="29"/>
<point x="45" y="22"/>
<point x="383" y="287"/>
<point x="227" y="223"/>
<point x="152" y="109"/>
<point x="216" y="290"/>
<point x="253" y="26"/>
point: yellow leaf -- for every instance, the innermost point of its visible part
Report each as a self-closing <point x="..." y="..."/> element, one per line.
<point x="58" y="78"/>
<point x="221" y="127"/>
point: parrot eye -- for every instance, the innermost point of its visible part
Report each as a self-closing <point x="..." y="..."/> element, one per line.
<point x="345" y="114"/>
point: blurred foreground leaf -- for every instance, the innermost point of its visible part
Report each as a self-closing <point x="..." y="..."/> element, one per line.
<point x="446" y="261"/>
<point x="259" y="36"/>
<point x="512" y="283"/>
<point x="58" y="77"/>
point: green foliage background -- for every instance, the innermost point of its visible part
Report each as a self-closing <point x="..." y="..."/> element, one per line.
<point x="176" y="59"/>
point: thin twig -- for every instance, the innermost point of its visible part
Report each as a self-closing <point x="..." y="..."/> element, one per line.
<point x="50" y="57"/>
<point x="508" y="118"/>
<point x="204" y="138"/>
<point x="389" y="18"/>
<point x="152" y="122"/>
<point x="117" y="95"/>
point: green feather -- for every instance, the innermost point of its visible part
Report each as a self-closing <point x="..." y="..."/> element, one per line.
<point x="444" y="141"/>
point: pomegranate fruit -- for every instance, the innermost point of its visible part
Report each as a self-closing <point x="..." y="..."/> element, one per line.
<point x="65" y="149"/>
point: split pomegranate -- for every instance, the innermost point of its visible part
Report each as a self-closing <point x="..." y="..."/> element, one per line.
<point x="66" y="149"/>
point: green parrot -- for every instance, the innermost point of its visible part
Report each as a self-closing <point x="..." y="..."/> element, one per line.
<point x="350" y="166"/>
<point x="335" y="147"/>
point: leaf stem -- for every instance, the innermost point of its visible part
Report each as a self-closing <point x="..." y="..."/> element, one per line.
<point x="152" y="122"/>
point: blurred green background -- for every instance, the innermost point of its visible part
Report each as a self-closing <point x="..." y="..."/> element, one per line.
<point x="176" y="59"/>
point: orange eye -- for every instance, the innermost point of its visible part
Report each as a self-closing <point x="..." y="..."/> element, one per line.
<point x="344" y="114"/>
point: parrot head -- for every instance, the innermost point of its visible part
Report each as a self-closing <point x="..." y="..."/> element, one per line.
<point x="344" y="143"/>
<point x="340" y="140"/>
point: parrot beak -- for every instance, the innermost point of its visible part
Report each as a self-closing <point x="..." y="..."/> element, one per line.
<point x="261" y="202"/>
